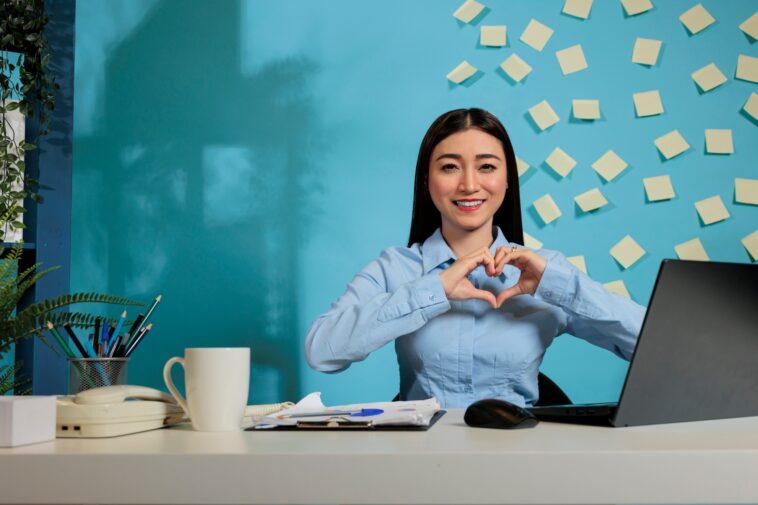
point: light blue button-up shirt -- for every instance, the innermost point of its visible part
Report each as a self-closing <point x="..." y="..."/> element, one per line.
<point x="462" y="351"/>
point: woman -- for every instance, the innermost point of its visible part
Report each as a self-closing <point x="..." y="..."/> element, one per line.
<point x="471" y="311"/>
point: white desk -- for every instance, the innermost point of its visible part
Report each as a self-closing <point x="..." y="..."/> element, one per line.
<point x="704" y="462"/>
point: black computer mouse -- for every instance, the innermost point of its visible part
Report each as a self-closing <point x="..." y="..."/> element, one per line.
<point x="500" y="414"/>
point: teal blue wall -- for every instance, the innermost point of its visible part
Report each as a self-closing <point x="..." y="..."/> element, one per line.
<point x="245" y="159"/>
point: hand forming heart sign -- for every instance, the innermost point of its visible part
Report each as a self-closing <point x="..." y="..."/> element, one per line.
<point x="458" y="287"/>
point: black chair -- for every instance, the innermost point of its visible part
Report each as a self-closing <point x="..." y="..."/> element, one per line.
<point x="550" y="393"/>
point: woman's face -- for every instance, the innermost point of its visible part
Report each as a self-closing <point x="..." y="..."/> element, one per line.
<point x="467" y="179"/>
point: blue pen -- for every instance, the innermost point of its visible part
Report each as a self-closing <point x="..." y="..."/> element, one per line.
<point x="104" y="339"/>
<point x="353" y="413"/>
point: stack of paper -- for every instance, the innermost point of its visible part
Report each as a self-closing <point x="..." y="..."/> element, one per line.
<point x="312" y="411"/>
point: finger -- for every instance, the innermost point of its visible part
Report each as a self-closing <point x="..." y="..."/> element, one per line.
<point x="519" y="259"/>
<point x="501" y="263"/>
<point x="481" y="257"/>
<point x="489" y="264"/>
<point x="500" y="253"/>
<point x="486" y="296"/>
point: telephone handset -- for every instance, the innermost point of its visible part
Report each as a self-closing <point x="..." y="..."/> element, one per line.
<point x="118" y="394"/>
<point x="111" y="411"/>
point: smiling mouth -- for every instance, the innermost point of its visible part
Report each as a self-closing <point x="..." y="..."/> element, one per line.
<point x="468" y="205"/>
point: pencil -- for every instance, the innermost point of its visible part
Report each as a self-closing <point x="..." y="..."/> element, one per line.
<point x="137" y="322"/>
<point x="147" y="316"/>
<point x="117" y="331"/>
<point x="61" y="341"/>
<point x="137" y="340"/>
<point x="114" y="346"/>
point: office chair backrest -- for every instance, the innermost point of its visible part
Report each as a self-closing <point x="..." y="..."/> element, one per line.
<point x="550" y="393"/>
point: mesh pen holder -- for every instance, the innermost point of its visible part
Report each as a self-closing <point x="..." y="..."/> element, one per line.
<point x="88" y="373"/>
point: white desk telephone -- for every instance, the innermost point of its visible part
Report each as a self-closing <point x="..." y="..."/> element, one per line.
<point x="119" y="410"/>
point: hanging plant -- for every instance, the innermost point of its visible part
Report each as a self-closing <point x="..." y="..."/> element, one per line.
<point x="27" y="91"/>
<point x="28" y="88"/>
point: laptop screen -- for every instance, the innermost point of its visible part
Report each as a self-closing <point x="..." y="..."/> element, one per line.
<point x="697" y="353"/>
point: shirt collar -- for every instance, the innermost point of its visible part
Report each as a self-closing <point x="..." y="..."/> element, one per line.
<point x="435" y="250"/>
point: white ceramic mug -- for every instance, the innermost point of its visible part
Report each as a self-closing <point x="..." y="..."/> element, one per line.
<point x="216" y="381"/>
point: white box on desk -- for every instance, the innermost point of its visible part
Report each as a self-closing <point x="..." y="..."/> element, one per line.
<point x="26" y="420"/>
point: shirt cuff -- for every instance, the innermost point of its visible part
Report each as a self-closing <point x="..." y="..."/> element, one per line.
<point x="430" y="295"/>
<point x="554" y="285"/>
<point x="425" y="295"/>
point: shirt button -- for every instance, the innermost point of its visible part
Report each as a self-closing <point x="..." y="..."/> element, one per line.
<point x="469" y="388"/>
<point x="431" y="298"/>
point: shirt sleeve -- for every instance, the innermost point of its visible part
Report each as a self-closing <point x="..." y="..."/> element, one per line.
<point x="368" y="316"/>
<point x="595" y="314"/>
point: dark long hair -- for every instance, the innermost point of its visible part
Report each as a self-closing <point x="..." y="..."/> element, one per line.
<point x="426" y="218"/>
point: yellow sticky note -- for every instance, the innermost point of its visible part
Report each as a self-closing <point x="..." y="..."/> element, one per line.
<point x="672" y="144"/>
<point x="747" y="68"/>
<point x="750" y="26"/>
<point x="609" y="165"/>
<point x="547" y="209"/>
<point x="746" y="191"/>
<point x="468" y="11"/>
<point x="708" y="77"/>
<point x="634" y="7"/>
<point x="751" y="244"/>
<point x="531" y="242"/>
<point x="691" y="250"/>
<point x="646" y="51"/>
<point x="617" y="287"/>
<point x="561" y="162"/>
<point x="515" y="67"/>
<point x="751" y="106"/>
<point x="648" y="103"/>
<point x="543" y="115"/>
<point x="711" y="210"/>
<point x="697" y="19"/>
<point x="577" y="8"/>
<point x="536" y="35"/>
<point x="627" y="251"/>
<point x="718" y="141"/>
<point x="591" y="200"/>
<point x="586" y="109"/>
<point x="658" y="188"/>
<point x="571" y="59"/>
<point x="493" y="36"/>
<point x="521" y="166"/>
<point x="461" y="72"/>
<point x="578" y="262"/>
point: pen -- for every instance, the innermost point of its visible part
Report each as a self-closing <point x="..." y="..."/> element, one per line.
<point x="355" y="413"/>
<point x="96" y="337"/>
<point x="104" y="339"/>
<point x="75" y="340"/>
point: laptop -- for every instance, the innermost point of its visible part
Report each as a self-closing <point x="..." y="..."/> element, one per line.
<point x="696" y="356"/>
